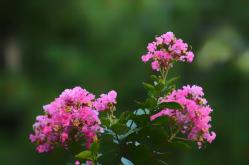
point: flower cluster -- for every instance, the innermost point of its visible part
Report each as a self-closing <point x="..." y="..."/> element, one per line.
<point x="165" y="50"/>
<point x="70" y="117"/>
<point x="106" y="101"/>
<point x="194" y="118"/>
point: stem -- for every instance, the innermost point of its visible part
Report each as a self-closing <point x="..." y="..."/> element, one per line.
<point x="164" y="75"/>
<point x="173" y="135"/>
<point x="111" y="116"/>
<point x="180" y="138"/>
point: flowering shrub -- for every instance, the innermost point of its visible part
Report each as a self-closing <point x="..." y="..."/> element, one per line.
<point x="168" y="119"/>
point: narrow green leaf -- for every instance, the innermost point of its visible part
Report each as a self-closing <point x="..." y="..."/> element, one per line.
<point x="163" y="120"/>
<point x="120" y="128"/>
<point x="86" y="155"/>
<point x="125" y="116"/>
<point x="154" y="77"/>
<point x="150" y="103"/>
<point x="170" y="81"/>
<point x="170" y="105"/>
<point x="105" y="121"/>
<point x="168" y="89"/>
<point x="94" y="147"/>
<point x="148" y="86"/>
<point x="141" y="120"/>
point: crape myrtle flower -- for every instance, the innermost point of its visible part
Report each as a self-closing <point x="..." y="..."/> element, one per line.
<point x="106" y="101"/>
<point x="165" y="50"/>
<point x="70" y="117"/>
<point x="194" y="119"/>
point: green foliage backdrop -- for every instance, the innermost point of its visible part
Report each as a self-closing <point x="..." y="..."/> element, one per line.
<point x="47" y="46"/>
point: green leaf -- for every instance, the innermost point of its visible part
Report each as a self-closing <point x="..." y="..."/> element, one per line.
<point x="139" y="154"/>
<point x="142" y="104"/>
<point x="120" y="128"/>
<point x="154" y="77"/>
<point x="163" y="120"/>
<point x="170" y="81"/>
<point x="86" y="155"/>
<point x="170" y="105"/>
<point x="167" y="89"/>
<point x="148" y="87"/>
<point x="105" y="121"/>
<point x="110" y="151"/>
<point x="141" y="120"/>
<point x="94" y="147"/>
<point x="160" y="86"/>
<point x="150" y="103"/>
<point x="125" y="116"/>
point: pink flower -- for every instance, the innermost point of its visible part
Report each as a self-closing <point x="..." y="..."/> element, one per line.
<point x="159" y="40"/>
<point x="165" y="112"/>
<point x="43" y="148"/>
<point x="210" y="137"/>
<point x="179" y="46"/>
<point x="147" y="57"/>
<point x="47" y="130"/>
<point x="112" y="95"/>
<point x="194" y="119"/>
<point x="168" y="37"/>
<point x="71" y="114"/>
<point x="165" y="50"/>
<point x="32" y="138"/>
<point x="77" y="162"/>
<point x="151" y="47"/>
<point x="162" y="55"/>
<point x="64" y="137"/>
<point x="106" y="101"/>
<point x="89" y="162"/>
<point x="190" y="56"/>
<point x="155" y="65"/>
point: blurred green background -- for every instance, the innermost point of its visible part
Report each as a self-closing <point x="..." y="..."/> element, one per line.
<point x="47" y="46"/>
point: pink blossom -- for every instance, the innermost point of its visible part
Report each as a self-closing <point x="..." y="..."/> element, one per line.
<point x="179" y="46"/>
<point x="159" y="40"/>
<point x="32" y="138"/>
<point x="165" y="112"/>
<point x="43" y="148"/>
<point x="155" y="65"/>
<point x="210" y="136"/>
<point x="194" y="119"/>
<point x="106" y="101"/>
<point x="190" y="56"/>
<point x="147" y="57"/>
<point x="165" y="50"/>
<point x="72" y="110"/>
<point x="168" y="37"/>
<point x="151" y="47"/>
<point x="77" y="162"/>
<point x="89" y="162"/>
<point x="64" y="137"/>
